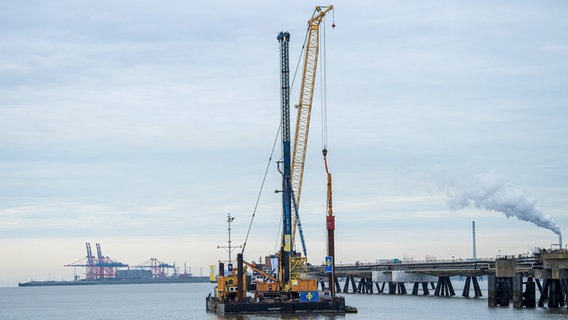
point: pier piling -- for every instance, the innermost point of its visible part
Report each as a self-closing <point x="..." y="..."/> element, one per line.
<point x="552" y="291"/>
<point x="416" y="287"/>
<point x="510" y="279"/>
<point x="523" y="297"/>
<point x="499" y="291"/>
<point x="476" y="289"/>
<point x="444" y="287"/>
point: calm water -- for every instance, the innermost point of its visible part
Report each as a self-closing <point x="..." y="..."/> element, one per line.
<point x="187" y="301"/>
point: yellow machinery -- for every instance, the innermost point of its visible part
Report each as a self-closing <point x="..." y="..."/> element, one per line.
<point x="227" y="286"/>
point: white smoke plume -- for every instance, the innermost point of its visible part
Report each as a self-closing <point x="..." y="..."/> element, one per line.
<point x="491" y="192"/>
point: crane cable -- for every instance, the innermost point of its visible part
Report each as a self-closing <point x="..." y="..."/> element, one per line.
<point x="323" y="83"/>
<point x="261" y="188"/>
<point x="323" y="90"/>
<point x="324" y="138"/>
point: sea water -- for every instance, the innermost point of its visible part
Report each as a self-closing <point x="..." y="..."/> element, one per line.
<point x="187" y="301"/>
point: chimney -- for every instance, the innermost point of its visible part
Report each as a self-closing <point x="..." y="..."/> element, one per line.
<point x="474" y="246"/>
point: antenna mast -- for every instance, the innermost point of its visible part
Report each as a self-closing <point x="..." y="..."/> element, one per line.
<point x="229" y="248"/>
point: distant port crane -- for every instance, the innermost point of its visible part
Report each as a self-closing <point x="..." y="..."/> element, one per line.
<point x="159" y="269"/>
<point x="97" y="268"/>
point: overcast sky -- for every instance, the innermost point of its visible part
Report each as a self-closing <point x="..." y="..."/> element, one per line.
<point x="140" y="124"/>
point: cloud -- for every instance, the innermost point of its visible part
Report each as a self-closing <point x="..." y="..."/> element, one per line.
<point x="133" y="120"/>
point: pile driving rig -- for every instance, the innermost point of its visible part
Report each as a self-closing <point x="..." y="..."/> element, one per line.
<point x="281" y="284"/>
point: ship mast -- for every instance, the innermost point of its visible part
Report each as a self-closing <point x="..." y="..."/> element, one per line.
<point x="228" y="247"/>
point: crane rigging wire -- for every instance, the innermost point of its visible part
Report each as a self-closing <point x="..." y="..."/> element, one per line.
<point x="261" y="187"/>
<point x="323" y="103"/>
<point x="323" y="90"/>
<point x="299" y="60"/>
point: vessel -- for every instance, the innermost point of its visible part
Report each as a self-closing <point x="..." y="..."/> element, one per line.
<point x="281" y="284"/>
<point x="233" y="294"/>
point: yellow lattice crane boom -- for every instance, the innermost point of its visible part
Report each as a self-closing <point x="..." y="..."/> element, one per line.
<point x="305" y="106"/>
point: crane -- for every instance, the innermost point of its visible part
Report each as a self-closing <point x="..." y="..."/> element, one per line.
<point x="97" y="268"/>
<point x="292" y="287"/>
<point x="158" y="268"/>
<point x="91" y="266"/>
<point x="107" y="266"/>
<point x="305" y="109"/>
<point x="89" y="263"/>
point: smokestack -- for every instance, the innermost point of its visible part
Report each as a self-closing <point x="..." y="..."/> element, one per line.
<point x="560" y="241"/>
<point x="474" y="246"/>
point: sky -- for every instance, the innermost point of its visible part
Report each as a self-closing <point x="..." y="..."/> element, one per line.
<point x="140" y="124"/>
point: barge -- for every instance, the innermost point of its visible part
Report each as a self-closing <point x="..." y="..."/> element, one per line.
<point x="282" y="285"/>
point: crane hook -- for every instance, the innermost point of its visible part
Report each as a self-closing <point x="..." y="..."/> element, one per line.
<point x="333" y="19"/>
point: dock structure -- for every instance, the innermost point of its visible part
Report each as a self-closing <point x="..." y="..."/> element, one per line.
<point x="517" y="280"/>
<point x="554" y="272"/>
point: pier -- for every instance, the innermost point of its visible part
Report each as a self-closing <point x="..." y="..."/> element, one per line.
<point x="512" y="280"/>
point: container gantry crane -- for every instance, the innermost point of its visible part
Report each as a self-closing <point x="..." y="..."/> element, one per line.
<point x="97" y="268"/>
<point x="91" y="267"/>
<point x="89" y="263"/>
<point x="157" y="267"/>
